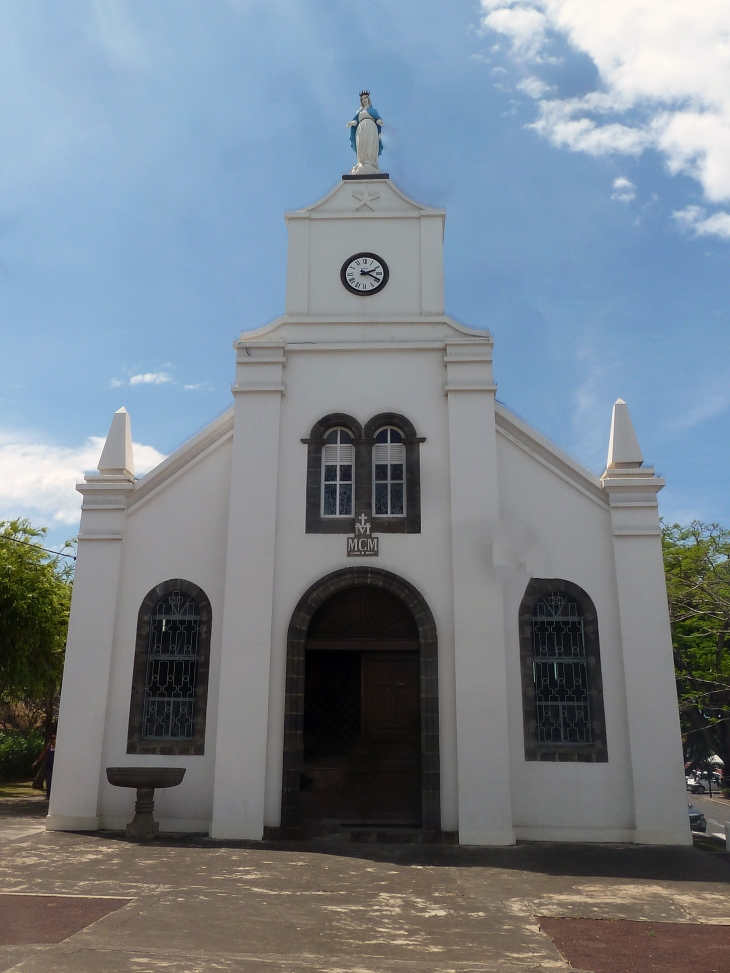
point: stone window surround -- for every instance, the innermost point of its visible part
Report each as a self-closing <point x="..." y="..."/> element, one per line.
<point x="195" y="745"/>
<point x="308" y="604"/>
<point x="597" y="751"/>
<point x="364" y="440"/>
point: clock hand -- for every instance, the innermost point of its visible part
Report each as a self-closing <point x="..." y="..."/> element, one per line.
<point x="370" y="273"/>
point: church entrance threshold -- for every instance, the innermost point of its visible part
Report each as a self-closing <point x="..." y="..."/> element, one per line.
<point x="362" y="746"/>
<point x="361" y="721"/>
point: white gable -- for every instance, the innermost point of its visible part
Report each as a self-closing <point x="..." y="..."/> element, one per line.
<point x="365" y="215"/>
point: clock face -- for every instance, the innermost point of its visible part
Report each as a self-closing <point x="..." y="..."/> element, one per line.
<point x="364" y="273"/>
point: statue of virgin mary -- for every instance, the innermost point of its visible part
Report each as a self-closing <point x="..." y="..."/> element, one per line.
<point x="365" y="137"/>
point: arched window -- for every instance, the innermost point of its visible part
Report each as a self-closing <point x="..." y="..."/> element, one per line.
<point x="561" y="674"/>
<point x="170" y="681"/>
<point x="172" y="659"/>
<point x="353" y="472"/>
<point x="559" y="671"/>
<point x="338" y="474"/>
<point x="389" y="477"/>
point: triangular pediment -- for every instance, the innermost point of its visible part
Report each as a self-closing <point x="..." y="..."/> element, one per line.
<point x="360" y="197"/>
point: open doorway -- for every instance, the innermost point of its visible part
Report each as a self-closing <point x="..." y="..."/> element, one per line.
<point x="383" y="625"/>
<point x="362" y="712"/>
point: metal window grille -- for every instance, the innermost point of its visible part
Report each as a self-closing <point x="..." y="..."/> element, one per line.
<point x="560" y="671"/>
<point x="169" y="704"/>
<point x="389" y="463"/>
<point x="338" y="463"/>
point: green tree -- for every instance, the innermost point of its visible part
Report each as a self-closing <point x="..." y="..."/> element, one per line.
<point x="697" y="565"/>
<point x="35" y="596"/>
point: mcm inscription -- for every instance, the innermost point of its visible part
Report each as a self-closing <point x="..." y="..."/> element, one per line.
<point x="362" y="543"/>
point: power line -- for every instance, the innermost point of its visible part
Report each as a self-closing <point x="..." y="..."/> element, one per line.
<point x="16" y="540"/>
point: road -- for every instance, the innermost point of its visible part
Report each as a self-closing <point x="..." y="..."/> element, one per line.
<point x="715" y="809"/>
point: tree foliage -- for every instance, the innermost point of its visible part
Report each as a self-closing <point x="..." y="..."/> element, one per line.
<point x="35" y="597"/>
<point x="697" y="566"/>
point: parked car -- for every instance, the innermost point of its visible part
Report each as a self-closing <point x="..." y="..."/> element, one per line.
<point x="697" y="782"/>
<point x="697" y="820"/>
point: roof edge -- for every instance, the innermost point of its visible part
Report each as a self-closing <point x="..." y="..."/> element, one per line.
<point x="265" y="330"/>
<point x="548" y="452"/>
<point x="306" y="210"/>
<point x="183" y="456"/>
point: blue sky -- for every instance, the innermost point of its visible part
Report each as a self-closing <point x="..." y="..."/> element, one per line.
<point x="148" y="152"/>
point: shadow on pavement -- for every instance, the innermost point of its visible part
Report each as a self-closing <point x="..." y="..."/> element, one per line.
<point x="658" y="862"/>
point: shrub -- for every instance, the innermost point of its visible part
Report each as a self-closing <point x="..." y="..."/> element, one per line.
<point x="17" y="753"/>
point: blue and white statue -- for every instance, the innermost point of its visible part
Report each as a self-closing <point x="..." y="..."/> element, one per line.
<point x="365" y="137"/>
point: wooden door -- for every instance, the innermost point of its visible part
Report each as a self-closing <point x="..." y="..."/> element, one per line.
<point x="362" y="739"/>
<point x="391" y="737"/>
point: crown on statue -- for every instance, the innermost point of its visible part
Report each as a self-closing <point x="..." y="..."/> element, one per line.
<point x="364" y="93"/>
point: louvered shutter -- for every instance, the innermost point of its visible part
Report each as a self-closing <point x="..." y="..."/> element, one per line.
<point x="331" y="458"/>
<point x="381" y="453"/>
<point x="389" y="453"/>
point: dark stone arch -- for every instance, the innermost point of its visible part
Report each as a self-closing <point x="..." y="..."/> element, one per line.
<point x="391" y="419"/>
<point x="136" y="741"/>
<point x="334" y="419"/>
<point x="315" y="523"/>
<point x="305" y="610"/>
<point x="597" y="750"/>
<point x="411" y="523"/>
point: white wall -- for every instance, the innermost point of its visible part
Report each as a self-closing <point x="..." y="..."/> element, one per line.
<point x="179" y="531"/>
<point x="567" y="535"/>
<point x="363" y="384"/>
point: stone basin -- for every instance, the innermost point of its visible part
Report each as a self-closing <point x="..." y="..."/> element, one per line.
<point x="144" y="827"/>
<point x="153" y="777"/>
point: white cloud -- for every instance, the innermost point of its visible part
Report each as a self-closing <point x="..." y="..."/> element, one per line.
<point x="623" y="190"/>
<point x="666" y="62"/>
<point x="533" y="87"/>
<point x="150" y="378"/>
<point x="523" y="24"/>
<point x="115" y="383"/>
<point x="38" y="480"/>
<point x="694" y="218"/>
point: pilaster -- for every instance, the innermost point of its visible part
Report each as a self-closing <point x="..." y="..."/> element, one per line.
<point x="485" y="811"/>
<point x="240" y="768"/>
<point x="78" y="763"/>
<point x="660" y="804"/>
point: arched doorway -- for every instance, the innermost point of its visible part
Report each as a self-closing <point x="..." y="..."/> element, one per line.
<point x="361" y="723"/>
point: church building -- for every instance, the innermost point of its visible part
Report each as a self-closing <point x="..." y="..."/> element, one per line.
<point x="369" y="596"/>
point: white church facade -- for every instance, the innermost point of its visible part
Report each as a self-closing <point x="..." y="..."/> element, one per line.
<point x="369" y="594"/>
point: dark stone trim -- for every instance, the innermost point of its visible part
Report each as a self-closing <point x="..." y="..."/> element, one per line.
<point x="136" y="743"/>
<point x="372" y="175"/>
<point x="596" y="752"/>
<point x="411" y="523"/>
<point x="315" y="523"/>
<point x="294" y="695"/>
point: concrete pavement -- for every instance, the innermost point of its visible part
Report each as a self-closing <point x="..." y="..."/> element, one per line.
<point x="199" y="906"/>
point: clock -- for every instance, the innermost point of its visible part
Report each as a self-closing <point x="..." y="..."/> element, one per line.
<point x="364" y="274"/>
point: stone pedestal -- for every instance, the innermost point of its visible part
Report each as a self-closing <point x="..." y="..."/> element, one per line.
<point x="143" y="826"/>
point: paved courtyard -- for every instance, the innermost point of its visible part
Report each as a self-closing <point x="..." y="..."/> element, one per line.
<point x="187" y="907"/>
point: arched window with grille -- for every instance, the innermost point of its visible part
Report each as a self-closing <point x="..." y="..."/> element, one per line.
<point x="389" y="473"/>
<point x="338" y="474"/>
<point x="562" y="688"/>
<point x="170" y="680"/>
